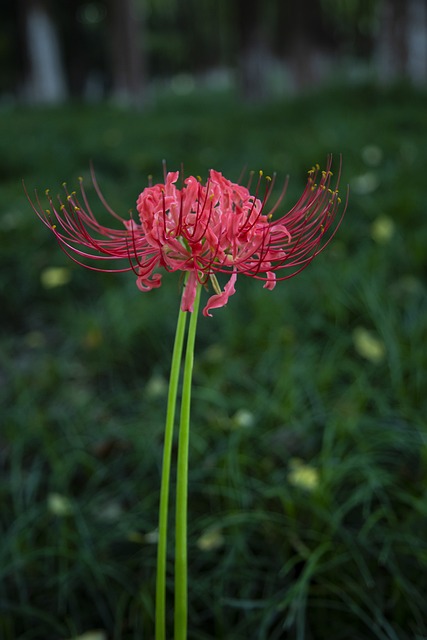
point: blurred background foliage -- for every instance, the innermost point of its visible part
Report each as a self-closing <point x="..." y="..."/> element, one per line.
<point x="308" y="478"/>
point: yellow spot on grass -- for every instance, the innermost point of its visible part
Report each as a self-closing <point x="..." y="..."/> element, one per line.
<point x="382" y="229"/>
<point x="368" y="345"/>
<point x="302" y="475"/>
<point x="52" y="277"/>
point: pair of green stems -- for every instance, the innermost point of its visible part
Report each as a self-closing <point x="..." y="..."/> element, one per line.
<point x="180" y="611"/>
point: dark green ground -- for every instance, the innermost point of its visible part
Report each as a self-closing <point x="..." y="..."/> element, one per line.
<point x="329" y="369"/>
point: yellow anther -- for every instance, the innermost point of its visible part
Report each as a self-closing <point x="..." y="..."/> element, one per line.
<point x="48" y="212"/>
<point x="47" y="192"/>
<point x="339" y="200"/>
<point x="268" y="178"/>
<point x="64" y="184"/>
<point x="77" y="209"/>
<point x="54" y="226"/>
<point x="62" y="207"/>
<point x="199" y="178"/>
<point x="317" y="166"/>
<point x="270" y="215"/>
<point x="261" y="173"/>
<point x="80" y="179"/>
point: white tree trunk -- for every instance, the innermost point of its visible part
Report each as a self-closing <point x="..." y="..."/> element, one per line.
<point x="46" y="82"/>
<point x="417" y="41"/>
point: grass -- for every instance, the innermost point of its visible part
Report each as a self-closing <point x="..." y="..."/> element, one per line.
<point x="308" y="461"/>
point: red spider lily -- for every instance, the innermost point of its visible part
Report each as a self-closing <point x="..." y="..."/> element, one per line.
<point x="205" y="229"/>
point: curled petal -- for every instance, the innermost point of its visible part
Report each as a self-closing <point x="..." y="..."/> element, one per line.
<point x="220" y="299"/>
<point x="189" y="294"/>
<point x="146" y="283"/>
<point x="270" y="283"/>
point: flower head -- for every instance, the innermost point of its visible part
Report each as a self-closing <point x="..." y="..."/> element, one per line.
<point x="203" y="229"/>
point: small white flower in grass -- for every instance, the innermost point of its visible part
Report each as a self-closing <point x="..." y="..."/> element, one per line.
<point x="156" y="387"/>
<point x="211" y="539"/>
<point x="243" y="419"/>
<point x="95" y="634"/>
<point x="151" y="537"/>
<point x="365" y="183"/>
<point x="59" y="505"/>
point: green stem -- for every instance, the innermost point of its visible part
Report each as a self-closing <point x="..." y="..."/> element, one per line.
<point x="182" y="483"/>
<point x="164" y="488"/>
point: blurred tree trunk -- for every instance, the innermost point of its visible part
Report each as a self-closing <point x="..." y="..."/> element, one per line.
<point x="391" y="42"/>
<point x="308" y="45"/>
<point x="45" y="80"/>
<point x="417" y="41"/>
<point x="299" y="42"/>
<point x="128" y="68"/>
<point x="253" y="54"/>
<point x="402" y="41"/>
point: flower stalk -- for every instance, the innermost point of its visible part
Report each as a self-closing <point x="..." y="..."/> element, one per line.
<point x="182" y="482"/>
<point x="180" y="617"/>
<point x="165" y="479"/>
